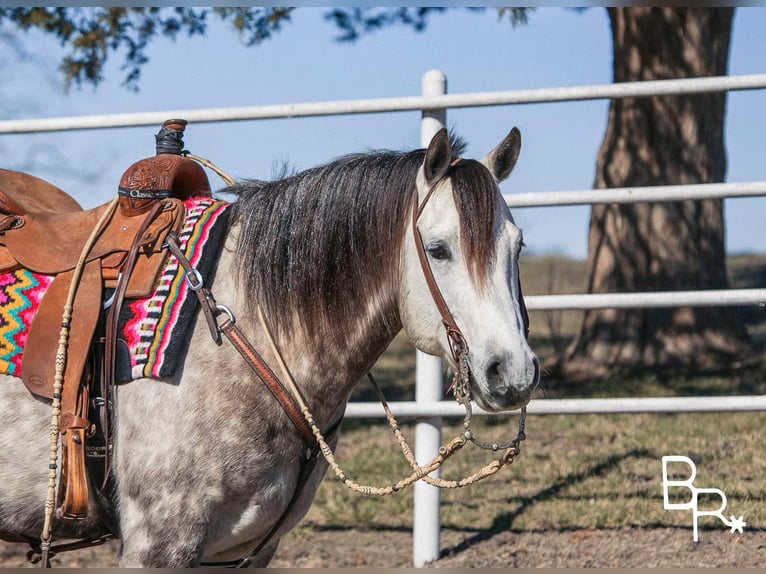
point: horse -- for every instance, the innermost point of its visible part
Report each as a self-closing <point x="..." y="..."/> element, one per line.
<point x="206" y="462"/>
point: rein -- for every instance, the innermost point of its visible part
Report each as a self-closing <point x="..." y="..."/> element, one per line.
<point x="58" y="384"/>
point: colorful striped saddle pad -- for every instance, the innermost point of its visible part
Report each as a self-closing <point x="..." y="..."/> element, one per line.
<point x="153" y="331"/>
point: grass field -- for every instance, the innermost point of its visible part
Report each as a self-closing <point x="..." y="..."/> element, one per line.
<point x="576" y="473"/>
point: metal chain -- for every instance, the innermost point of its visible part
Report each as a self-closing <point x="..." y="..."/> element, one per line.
<point x="462" y="392"/>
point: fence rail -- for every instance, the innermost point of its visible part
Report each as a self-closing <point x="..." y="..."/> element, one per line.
<point x="647" y="300"/>
<point x="400" y="104"/>
<point x="615" y="405"/>
<point x="651" y="193"/>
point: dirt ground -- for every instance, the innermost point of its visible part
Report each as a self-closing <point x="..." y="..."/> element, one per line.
<point x="627" y="547"/>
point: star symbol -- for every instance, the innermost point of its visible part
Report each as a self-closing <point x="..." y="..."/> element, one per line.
<point x="737" y="524"/>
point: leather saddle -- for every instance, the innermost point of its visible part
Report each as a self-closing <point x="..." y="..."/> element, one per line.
<point x="44" y="230"/>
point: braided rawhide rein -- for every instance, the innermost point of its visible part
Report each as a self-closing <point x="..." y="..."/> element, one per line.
<point x="58" y="380"/>
<point x="511" y="449"/>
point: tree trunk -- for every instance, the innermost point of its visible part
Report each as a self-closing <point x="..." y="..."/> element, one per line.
<point x="660" y="246"/>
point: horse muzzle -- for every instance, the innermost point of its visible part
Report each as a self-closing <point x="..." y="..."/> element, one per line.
<point x="504" y="385"/>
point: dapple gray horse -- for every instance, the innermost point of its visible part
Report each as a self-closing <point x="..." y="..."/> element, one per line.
<point x="206" y="462"/>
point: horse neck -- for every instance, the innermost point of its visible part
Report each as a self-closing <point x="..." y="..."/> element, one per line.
<point x="326" y="366"/>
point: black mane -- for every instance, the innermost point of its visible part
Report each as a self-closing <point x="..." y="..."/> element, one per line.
<point x="325" y="242"/>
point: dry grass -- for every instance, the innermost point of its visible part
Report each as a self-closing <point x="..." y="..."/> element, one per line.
<point x="576" y="472"/>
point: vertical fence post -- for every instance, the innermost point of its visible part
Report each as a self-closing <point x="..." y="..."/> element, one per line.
<point x="428" y="382"/>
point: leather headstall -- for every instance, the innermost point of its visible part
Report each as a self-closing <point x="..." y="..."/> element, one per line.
<point x="458" y="344"/>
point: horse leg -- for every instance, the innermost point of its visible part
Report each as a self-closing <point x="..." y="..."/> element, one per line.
<point x="24" y="444"/>
<point x="24" y="459"/>
<point x="152" y="538"/>
<point x="163" y="496"/>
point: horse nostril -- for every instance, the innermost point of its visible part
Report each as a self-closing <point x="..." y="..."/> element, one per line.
<point x="493" y="370"/>
<point x="536" y="364"/>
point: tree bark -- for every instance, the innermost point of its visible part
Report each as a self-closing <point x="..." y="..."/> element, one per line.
<point x="660" y="246"/>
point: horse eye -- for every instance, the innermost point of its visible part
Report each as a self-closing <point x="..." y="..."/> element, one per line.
<point x="438" y="251"/>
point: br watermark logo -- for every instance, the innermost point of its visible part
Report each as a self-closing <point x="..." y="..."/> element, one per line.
<point x="693" y="503"/>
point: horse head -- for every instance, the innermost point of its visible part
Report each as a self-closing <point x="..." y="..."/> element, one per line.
<point x="469" y="245"/>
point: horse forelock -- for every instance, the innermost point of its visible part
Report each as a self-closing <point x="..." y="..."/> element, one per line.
<point x="320" y="249"/>
<point x="475" y="193"/>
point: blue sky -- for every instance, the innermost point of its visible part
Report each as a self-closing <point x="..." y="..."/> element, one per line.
<point x="559" y="47"/>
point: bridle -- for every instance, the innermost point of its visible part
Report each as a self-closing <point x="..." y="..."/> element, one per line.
<point x="458" y="345"/>
<point x="293" y="405"/>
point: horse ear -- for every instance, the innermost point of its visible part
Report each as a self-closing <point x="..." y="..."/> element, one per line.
<point x="438" y="157"/>
<point x="500" y="161"/>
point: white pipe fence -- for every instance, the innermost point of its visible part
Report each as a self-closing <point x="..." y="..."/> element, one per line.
<point x="401" y="104"/>
<point x="426" y="508"/>
<point x="635" y="194"/>
<point x="433" y="102"/>
<point x="613" y="405"/>
<point x="647" y="300"/>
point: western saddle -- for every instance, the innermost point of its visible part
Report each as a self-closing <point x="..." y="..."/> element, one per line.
<point x="44" y="230"/>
